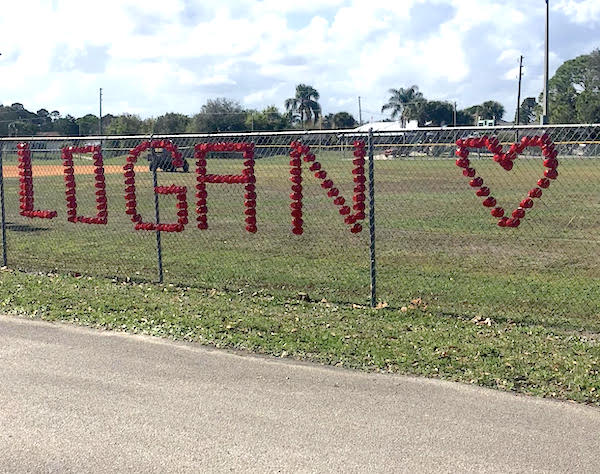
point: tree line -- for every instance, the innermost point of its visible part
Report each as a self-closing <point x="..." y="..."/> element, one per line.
<point x="216" y="115"/>
<point x="409" y="104"/>
<point x="574" y="97"/>
<point x="574" y="90"/>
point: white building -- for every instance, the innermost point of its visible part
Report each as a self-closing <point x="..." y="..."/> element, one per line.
<point x="387" y="126"/>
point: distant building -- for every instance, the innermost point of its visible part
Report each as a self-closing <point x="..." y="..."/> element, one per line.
<point x="493" y="123"/>
<point x="387" y="126"/>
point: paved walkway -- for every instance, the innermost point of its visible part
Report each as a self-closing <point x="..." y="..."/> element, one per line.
<point x="77" y="400"/>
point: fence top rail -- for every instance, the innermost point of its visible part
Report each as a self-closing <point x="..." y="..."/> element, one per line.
<point x="299" y="133"/>
<point x="290" y="133"/>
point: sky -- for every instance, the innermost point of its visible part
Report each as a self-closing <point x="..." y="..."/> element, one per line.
<point x="156" y="56"/>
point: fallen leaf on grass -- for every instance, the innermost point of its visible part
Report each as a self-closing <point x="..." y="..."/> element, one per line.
<point x="482" y="322"/>
<point x="417" y="303"/>
<point x="381" y="305"/>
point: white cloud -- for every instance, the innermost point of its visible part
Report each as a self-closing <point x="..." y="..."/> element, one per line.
<point x="508" y="55"/>
<point x="215" y="80"/>
<point x="581" y="11"/>
<point x="512" y="74"/>
<point x="150" y="59"/>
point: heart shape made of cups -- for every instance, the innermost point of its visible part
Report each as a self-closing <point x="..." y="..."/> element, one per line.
<point x="506" y="160"/>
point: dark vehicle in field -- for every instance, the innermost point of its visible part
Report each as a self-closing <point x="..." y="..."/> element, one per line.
<point x="164" y="161"/>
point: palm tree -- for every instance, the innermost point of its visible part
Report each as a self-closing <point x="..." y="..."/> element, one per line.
<point x="305" y="103"/>
<point x="404" y="103"/>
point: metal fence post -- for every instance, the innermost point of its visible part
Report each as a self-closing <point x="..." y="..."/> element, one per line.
<point x="2" y="212"/>
<point x="154" y="165"/>
<point x="372" y="220"/>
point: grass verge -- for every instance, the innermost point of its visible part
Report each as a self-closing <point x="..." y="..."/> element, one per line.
<point x="533" y="358"/>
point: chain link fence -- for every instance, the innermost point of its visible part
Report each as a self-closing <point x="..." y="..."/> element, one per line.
<point x="299" y="213"/>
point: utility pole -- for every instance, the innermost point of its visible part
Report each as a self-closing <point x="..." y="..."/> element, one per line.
<point x="454" y="113"/>
<point x="519" y="91"/>
<point x="359" y="112"/>
<point x="100" y="121"/>
<point x="545" y="120"/>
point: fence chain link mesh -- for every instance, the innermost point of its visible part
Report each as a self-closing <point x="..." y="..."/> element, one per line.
<point x="436" y="243"/>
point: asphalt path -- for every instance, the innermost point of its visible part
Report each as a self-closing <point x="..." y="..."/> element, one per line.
<point x="79" y="400"/>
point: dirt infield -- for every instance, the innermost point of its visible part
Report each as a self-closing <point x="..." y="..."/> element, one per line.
<point x="12" y="171"/>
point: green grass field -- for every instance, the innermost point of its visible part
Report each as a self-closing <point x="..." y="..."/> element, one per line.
<point x="437" y="246"/>
<point x="434" y="239"/>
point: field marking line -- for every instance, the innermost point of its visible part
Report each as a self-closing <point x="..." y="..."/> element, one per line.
<point x="12" y="171"/>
